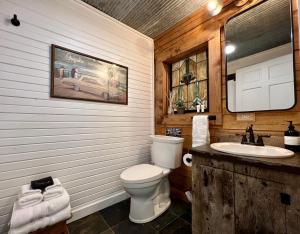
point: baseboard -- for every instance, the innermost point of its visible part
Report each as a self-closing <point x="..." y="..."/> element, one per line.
<point x="95" y="206"/>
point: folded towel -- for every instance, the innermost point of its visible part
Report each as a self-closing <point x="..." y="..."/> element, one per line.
<point x="56" y="185"/>
<point x="200" y="130"/>
<point x="53" y="191"/>
<point x="42" y="222"/>
<point x="27" y="190"/>
<point x="58" y="203"/>
<point x="23" y="216"/>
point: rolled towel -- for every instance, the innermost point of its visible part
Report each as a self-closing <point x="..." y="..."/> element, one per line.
<point x="53" y="191"/>
<point x="43" y="222"/>
<point x="27" y="190"/>
<point x="29" y="197"/>
<point x="23" y="216"/>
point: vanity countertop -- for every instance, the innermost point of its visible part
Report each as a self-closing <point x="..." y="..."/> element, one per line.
<point x="291" y="164"/>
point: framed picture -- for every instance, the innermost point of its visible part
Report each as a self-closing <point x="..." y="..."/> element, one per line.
<point x="76" y="75"/>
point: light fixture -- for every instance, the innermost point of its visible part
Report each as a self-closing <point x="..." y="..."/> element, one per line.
<point x="214" y="7"/>
<point x="229" y="48"/>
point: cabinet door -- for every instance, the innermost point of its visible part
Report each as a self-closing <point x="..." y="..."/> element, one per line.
<point x="213" y="210"/>
<point x="293" y="209"/>
<point x="258" y="207"/>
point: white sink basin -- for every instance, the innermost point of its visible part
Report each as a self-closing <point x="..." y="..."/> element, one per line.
<point x="254" y="151"/>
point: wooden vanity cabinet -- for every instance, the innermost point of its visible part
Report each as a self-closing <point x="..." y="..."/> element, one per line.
<point x="258" y="208"/>
<point x="232" y="197"/>
<point x="213" y="199"/>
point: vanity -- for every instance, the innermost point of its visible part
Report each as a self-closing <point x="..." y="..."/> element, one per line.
<point x="244" y="194"/>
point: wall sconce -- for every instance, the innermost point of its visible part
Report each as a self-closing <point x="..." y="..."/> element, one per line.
<point x="214" y="7"/>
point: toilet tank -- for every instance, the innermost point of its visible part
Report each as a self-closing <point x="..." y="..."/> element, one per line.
<point x="166" y="151"/>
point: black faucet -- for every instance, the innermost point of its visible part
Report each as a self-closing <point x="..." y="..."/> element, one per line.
<point x="250" y="134"/>
<point x="249" y="139"/>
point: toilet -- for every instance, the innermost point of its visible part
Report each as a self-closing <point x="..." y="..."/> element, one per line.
<point x="148" y="184"/>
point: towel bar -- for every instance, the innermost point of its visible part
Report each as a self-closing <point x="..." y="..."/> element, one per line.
<point x="210" y="117"/>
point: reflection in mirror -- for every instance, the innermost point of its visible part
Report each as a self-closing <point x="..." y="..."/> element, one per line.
<point x="259" y="58"/>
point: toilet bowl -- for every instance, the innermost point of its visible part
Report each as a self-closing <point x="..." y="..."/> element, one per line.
<point x="148" y="185"/>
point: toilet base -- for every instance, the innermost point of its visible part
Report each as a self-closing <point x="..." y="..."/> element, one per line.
<point x="158" y="210"/>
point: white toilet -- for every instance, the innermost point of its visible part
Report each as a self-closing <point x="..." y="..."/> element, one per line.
<point x="148" y="185"/>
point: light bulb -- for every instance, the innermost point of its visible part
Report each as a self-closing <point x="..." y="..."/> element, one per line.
<point x="229" y="49"/>
<point x="215" y="6"/>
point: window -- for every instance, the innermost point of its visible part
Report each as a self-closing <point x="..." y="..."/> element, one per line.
<point x="189" y="82"/>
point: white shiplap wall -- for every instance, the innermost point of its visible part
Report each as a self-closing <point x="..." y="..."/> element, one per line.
<point x="85" y="144"/>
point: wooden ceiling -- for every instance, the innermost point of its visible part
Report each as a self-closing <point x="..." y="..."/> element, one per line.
<point x="150" y="17"/>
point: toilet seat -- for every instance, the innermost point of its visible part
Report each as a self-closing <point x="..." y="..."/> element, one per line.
<point x="141" y="173"/>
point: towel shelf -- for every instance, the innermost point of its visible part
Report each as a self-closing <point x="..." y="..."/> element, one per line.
<point x="210" y="117"/>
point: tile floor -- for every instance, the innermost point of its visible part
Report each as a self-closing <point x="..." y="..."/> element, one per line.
<point x="114" y="220"/>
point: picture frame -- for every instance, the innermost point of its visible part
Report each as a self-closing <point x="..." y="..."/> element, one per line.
<point x="79" y="76"/>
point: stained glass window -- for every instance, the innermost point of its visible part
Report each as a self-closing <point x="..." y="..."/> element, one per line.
<point x="189" y="82"/>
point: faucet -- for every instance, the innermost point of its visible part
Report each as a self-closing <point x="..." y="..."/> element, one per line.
<point x="250" y="134"/>
<point x="249" y="139"/>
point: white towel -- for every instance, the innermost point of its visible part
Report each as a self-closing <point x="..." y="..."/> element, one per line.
<point x="23" y="216"/>
<point x="53" y="191"/>
<point x="57" y="204"/>
<point x="27" y="190"/>
<point x="42" y="222"/>
<point x="200" y="130"/>
<point x="56" y="184"/>
<point x="29" y="197"/>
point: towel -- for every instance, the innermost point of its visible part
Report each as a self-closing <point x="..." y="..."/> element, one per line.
<point x="58" y="203"/>
<point x="42" y="222"/>
<point x="29" y="197"/>
<point x="53" y="191"/>
<point x="56" y="184"/>
<point x="200" y="130"/>
<point x="23" y="216"/>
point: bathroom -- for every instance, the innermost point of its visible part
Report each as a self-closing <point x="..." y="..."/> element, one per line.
<point x="89" y="89"/>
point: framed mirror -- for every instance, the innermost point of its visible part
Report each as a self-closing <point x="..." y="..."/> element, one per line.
<point x="260" y="74"/>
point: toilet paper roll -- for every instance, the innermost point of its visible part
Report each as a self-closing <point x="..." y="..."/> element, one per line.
<point x="187" y="160"/>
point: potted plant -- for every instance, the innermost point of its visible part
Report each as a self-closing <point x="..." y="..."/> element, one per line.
<point x="180" y="106"/>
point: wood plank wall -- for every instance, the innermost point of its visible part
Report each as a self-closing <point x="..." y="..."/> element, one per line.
<point x="193" y="32"/>
<point x="85" y="144"/>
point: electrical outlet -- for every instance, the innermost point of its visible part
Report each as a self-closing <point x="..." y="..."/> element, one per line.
<point x="249" y="117"/>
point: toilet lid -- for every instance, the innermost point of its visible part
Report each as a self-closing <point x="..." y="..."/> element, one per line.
<point x="141" y="173"/>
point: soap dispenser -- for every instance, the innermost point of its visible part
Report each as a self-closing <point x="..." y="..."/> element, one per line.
<point x="292" y="138"/>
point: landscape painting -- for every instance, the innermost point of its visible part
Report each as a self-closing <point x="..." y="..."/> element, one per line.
<point x="80" y="76"/>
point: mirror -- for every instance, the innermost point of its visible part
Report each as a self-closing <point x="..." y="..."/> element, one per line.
<point x="260" y="58"/>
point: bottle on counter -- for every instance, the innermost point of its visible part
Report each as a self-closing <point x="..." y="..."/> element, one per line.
<point x="292" y="138"/>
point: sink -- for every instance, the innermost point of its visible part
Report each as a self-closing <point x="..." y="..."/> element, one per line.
<point x="254" y="151"/>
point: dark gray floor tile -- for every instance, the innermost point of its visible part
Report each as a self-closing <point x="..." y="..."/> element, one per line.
<point x="116" y="213"/>
<point x="127" y="227"/>
<point x="179" y="226"/>
<point x="187" y="216"/>
<point x="92" y="224"/>
<point x="162" y="221"/>
<point x="179" y="207"/>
